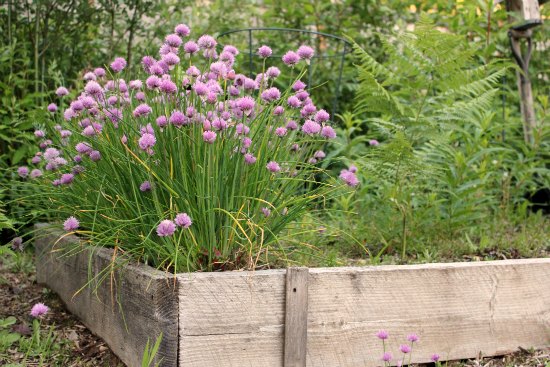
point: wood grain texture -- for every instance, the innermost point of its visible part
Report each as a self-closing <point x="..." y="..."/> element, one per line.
<point x="125" y="309"/>
<point x="459" y="310"/>
<point x="296" y="311"/>
<point x="232" y="319"/>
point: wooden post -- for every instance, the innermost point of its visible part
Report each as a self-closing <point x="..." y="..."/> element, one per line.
<point x="296" y="317"/>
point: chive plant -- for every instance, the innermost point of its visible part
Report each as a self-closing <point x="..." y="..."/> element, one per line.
<point x="192" y="166"/>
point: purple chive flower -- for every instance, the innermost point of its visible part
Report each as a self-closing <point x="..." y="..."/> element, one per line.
<point x="177" y="118"/>
<point x="145" y="186"/>
<point x="293" y="102"/>
<point x="266" y="212"/>
<point x="166" y="228"/>
<point x="405" y="348"/>
<point x="39" y="310"/>
<point x="190" y="47"/>
<point x="36" y="159"/>
<point x="273" y="166"/>
<point x="118" y="64"/>
<point x="61" y="91"/>
<point x="209" y="136"/>
<point x="249" y="158"/>
<point x="52" y="107"/>
<point x="207" y="42"/>
<point x="231" y="49"/>
<point x="264" y="51"/>
<point x="242" y="129"/>
<point x="321" y="116"/>
<point x="382" y="335"/>
<point x="308" y="109"/>
<point x="95" y="155"/>
<point x="328" y="132"/>
<point x="152" y="82"/>
<point x="82" y="148"/>
<point x="173" y="40"/>
<point x="17" y="244"/>
<point x="99" y="72"/>
<point x="136" y="84"/>
<point x="142" y="110"/>
<point x="271" y="94"/>
<point x="171" y="59"/>
<point x="435" y="357"/>
<point x="278" y="111"/>
<point x="413" y="338"/>
<point x="292" y="125"/>
<point x="89" y="131"/>
<point x="39" y="133"/>
<point x="66" y="178"/>
<point x="71" y="224"/>
<point x="182" y="30"/>
<point x="162" y="121"/>
<point x="68" y="114"/>
<point x="245" y="104"/>
<point x="200" y="88"/>
<point x="386" y="357"/>
<point x="351" y="180"/>
<point x="319" y="154"/>
<point x="147" y="141"/>
<point x="273" y="72"/>
<point x="373" y="142"/>
<point x="183" y="220"/>
<point x="140" y="96"/>
<point x="305" y="52"/>
<point x="93" y="88"/>
<point x="280" y="131"/>
<point x="299" y="85"/>
<point x="352" y="169"/>
<point x="219" y="124"/>
<point x="291" y="58"/>
<point x="23" y="171"/>
<point x="311" y="127"/>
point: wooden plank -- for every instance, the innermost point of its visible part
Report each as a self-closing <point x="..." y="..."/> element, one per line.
<point x="459" y="310"/>
<point x="232" y="319"/>
<point x="125" y="310"/>
<point x="296" y="317"/>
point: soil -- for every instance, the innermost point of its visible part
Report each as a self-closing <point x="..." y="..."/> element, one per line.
<point x="79" y="347"/>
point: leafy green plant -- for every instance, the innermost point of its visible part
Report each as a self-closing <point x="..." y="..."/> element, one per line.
<point x="7" y="338"/>
<point x="150" y="352"/>
<point x="438" y="167"/>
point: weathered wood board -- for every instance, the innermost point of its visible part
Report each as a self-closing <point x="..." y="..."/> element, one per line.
<point x="126" y="309"/>
<point x="459" y="310"/>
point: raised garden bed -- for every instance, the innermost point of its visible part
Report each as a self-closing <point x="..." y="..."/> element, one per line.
<point x="298" y="317"/>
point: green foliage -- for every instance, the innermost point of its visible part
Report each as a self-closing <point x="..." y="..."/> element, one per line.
<point x="442" y="166"/>
<point x="7" y="338"/>
<point x="150" y="353"/>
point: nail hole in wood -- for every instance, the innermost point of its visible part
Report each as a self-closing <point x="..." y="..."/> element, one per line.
<point x="294" y="290"/>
